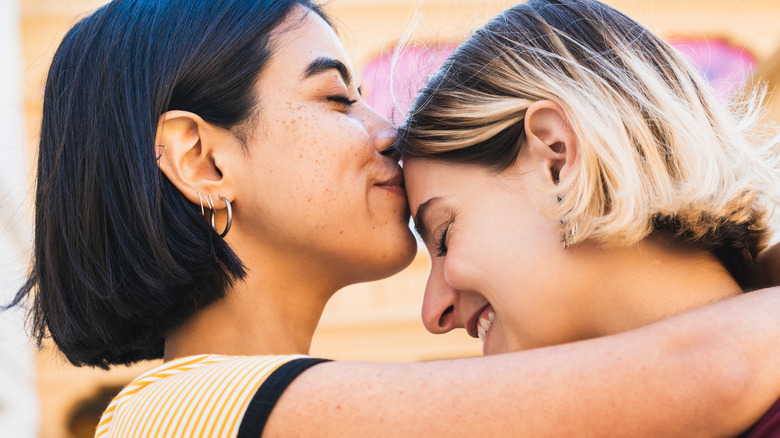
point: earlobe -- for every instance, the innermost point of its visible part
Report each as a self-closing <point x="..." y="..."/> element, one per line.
<point x="550" y="139"/>
<point x="187" y="148"/>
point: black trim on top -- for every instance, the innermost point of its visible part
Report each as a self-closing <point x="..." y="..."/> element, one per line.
<point x="268" y="394"/>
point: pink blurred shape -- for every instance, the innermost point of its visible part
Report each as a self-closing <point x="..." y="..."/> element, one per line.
<point x="391" y="81"/>
<point x="726" y="67"/>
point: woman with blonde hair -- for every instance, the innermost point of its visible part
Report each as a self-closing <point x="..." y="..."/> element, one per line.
<point x="209" y="177"/>
<point x="573" y="177"/>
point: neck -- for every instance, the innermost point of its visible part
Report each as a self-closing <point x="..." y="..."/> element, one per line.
<point x="275" y="310"/>
<point x="652" y="281"/>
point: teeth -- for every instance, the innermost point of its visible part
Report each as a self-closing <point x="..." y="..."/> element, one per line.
<point x="484" y="325"/>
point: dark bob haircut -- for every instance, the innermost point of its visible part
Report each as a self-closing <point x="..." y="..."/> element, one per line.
<point x="120" y="256"/>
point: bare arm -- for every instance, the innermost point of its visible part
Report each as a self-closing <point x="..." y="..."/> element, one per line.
<point x="710" y="372"/>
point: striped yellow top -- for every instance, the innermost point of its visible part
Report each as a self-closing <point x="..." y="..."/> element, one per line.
<point x="195" y="396"/>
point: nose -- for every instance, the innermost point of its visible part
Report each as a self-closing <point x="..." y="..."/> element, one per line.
<point x="384" y="139"/>
<point x="383" y="133"/>
<point x="441" y="310"/>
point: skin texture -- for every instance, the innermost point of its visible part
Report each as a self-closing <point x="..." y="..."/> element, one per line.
<point x="495" y="251"/>
<point x="313" y="211"/>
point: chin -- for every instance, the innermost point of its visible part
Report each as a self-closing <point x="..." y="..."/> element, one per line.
<point x="407" y="253"/>
<point x="390" y="259"/>
<point x="407" y="246"/>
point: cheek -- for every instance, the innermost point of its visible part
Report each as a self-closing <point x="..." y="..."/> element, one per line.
<point x="501" y="340"/>
<point x="465" y="267"/>
<point x="481" y="250"/>
<point x="527" y="239"/>
<point x="324" y="161"/>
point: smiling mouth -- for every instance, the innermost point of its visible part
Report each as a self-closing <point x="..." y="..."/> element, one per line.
<point x="479" y="324"/>
<point x="484" y="324"/>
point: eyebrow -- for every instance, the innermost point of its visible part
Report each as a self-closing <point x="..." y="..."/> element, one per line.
<point x="323" y="64"/>
<point x="419" y="218"/>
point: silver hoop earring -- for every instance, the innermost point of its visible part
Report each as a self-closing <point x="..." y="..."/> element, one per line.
<point x="210" y="203"/>
<point x="229" y="216"/>
<point x="200" y="199"/>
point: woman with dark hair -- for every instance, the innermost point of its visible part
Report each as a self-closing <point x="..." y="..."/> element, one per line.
<point x="566" y="166"/>
<point x="209" y="177"/>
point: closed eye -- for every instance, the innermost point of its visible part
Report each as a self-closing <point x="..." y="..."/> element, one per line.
<point x="441" y="242"/>
<point x="343" y="100"/>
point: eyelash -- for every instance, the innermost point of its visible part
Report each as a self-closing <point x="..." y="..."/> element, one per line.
<point x="441" y="245"/>
<point x="342" y="99"/>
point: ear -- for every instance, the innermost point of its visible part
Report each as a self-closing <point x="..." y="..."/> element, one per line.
<point x="191" y="151"/>
<point x="551" y="140"/>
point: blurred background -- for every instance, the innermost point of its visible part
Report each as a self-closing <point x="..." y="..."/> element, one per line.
<point x="735" y="42"/>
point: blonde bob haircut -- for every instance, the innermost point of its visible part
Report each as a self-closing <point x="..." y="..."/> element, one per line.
<point x="657" y="150"/>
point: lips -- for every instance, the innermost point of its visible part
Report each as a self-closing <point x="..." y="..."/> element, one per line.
<point x="396" y="179"/>
<point x="393" y="184"/>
